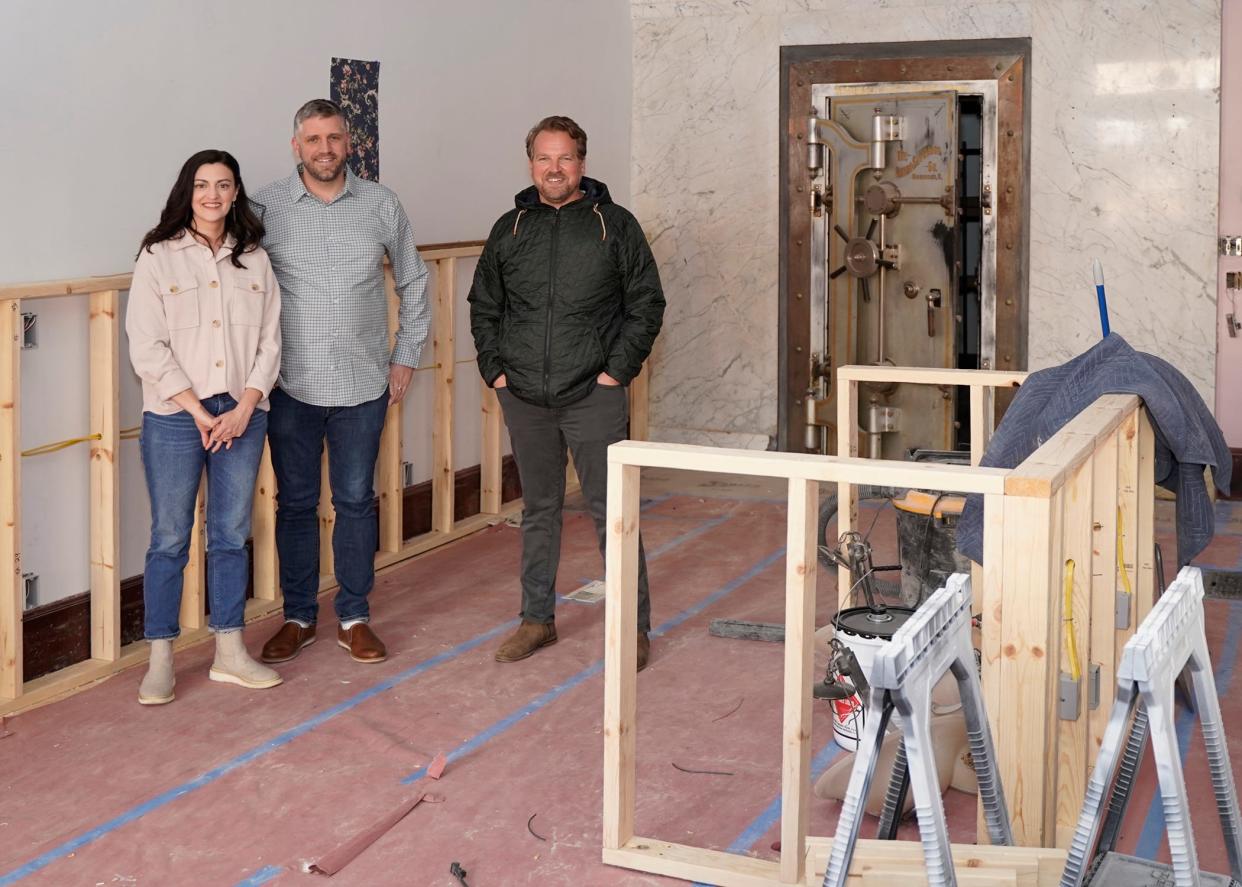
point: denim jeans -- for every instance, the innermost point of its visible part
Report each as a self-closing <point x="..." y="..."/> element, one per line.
<point x="173" y="459"/>
<point x="540" y="437"/>
<point x="297" y="432"/>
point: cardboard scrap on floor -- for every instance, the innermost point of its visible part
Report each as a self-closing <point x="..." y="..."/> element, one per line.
<point x="343" y="855"/>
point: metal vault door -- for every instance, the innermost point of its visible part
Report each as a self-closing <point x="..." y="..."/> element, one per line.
<point x="904" y="237"/>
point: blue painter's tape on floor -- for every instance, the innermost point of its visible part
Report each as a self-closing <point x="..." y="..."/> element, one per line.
<point x="772" y="813"/>
<point x="262" y="876"/>
<point x="160" y="800"/>
<point x="1153" y="826"/>
<point x="480" y="739"/>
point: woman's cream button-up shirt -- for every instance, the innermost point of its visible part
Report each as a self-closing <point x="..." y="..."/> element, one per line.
<point x="197" y="321"/>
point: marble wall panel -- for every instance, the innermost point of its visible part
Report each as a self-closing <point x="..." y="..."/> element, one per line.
<point x="1124" y="116"/>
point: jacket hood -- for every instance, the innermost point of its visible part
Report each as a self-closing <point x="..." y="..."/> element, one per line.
<point x="596" y="193"/>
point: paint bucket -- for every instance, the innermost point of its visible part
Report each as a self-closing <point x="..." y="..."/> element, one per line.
<point x="865" y="633"/>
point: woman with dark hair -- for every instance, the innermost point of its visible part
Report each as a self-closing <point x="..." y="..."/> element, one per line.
<point x="204" y="336"/>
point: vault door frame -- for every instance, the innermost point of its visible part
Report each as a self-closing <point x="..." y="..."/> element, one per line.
<point x="1002" y="63"/>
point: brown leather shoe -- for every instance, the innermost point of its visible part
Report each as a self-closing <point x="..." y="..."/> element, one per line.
<point x="362" y="644"/>
<point x="286" y="643"/>
<point x="644" y="650"/>
<point x="528" y="638"/>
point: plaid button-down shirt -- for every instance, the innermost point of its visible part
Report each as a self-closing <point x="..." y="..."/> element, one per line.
<point x="328" y="258"/>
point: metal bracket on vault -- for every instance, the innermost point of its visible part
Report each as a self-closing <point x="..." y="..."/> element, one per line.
<point x="936" y="639"/>
<point x="1170" y="638"/>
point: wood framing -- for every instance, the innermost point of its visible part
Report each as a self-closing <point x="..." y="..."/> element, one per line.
<point x="982" y="385"/>
<point x="12" y="597"/>
<point x="391" y="482"/>
<point x="107" y="654"/>
<point x="105" y="540"/>
<point x="1040" y="516"/>
<point x="445" y="352"/>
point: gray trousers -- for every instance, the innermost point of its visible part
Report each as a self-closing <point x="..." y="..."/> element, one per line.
<point x="541" y="437"/>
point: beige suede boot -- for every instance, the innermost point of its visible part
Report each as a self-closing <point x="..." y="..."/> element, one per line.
<point x="233" y="664"/>
<point x="157" y="686"/>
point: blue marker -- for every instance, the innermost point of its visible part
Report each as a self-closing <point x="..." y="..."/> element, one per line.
<point x="1098" y="270"/>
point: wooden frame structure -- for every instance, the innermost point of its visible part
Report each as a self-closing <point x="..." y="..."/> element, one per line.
<point x="1065" y="502"/>
<point x="108" y="656"/>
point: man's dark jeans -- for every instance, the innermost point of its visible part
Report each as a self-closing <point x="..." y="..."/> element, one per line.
<point x="540" y="436"/>
<point x="297" y="432"/>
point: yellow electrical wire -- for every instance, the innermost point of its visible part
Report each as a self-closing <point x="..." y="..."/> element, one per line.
<point x="1121" y="560"/>
<point x="1068" y="619"/>
<point x="125" y="434"/>
<point x="60" y="445"/>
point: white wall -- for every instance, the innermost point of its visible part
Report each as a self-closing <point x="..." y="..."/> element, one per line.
<point x="103" y="102"/>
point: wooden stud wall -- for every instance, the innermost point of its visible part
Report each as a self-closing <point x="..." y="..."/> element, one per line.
<point x="1061" y="504"/>
<point x="107" y="654"/>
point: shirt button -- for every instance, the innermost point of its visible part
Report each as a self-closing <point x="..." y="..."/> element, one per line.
<point x="172" y="289"/>
<point x="215" y="323"/>
<point x="219" y="363"/>
<point x="255" y="287"/>
<point x="213" y="284"/>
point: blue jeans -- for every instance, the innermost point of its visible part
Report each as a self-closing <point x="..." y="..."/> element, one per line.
<point x="173" y="459"/>
<point x="297" y="432"/>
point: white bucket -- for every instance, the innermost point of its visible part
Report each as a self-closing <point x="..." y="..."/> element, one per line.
<point x="849" y="715"/>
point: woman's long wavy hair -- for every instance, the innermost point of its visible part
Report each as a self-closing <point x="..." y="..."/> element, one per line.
<point x="178" y="214"/>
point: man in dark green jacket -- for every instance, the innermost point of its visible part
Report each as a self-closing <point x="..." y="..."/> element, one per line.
<point x="565" y="307"/>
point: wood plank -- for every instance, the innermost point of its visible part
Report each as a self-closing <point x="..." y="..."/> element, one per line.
<point x="442" y="424"/>
<point x="978" y="434"/>
<point x="1146" y="531"/>
<point x="327" y="517"/>
<point x="902" y="859"/>
<point x="263" y="531"/>
<point x="640" y="394"/>
<point x="81" y="286"/>
<point x="693" y="863"/>
<point x="12" y="591"/>
<point x="434" y="539"/>
<point x="992" y="611"/>
<point x="1104" y="585"/>
<point x="929" y="376"/>
<point x="847" y="493"/>
<point x="1048" y="468"/>
<point x="1023" y="716"/>
<point x="74" y="286"/>
<point x="1038" y="866"/>
<point x="1072" y="751"/>
<point x="105" y="542"/>
<point x="810" y="466"/>
<point x="391" y="481"/>
<point x="464" y="249"/>
<point x="194" y="577"/>
<point x="620" y="653"/>
<point x="490" y="461"/>
<point x="1126" y="523"/>
<point x="800" y="567"/>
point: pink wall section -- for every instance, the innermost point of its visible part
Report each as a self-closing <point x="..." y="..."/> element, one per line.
<point x="1229" y="349"/>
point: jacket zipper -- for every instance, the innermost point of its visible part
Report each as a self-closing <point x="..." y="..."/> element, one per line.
<point x="547" y="334"/>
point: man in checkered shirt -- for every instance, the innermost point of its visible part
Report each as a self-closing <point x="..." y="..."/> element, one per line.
<point x="327" y="234"/>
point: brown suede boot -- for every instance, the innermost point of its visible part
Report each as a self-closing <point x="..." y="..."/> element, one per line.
<point x="528" y="638"/>
<point x="644" y="650"/>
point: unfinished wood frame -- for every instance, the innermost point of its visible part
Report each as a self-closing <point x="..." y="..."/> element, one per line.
<point x="982" y="385"/>
<point x="1034" y="515"/>
<point x="107" y="654"/>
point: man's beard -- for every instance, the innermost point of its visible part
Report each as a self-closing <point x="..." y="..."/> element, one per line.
<point x="319" y="174"/>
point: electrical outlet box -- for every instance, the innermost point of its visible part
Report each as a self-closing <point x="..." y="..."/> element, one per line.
<point x="30" y="582"/>
<point x="407" y="474"/>
<point x="1069" y="698"/>
<point x="30" y="330"/>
